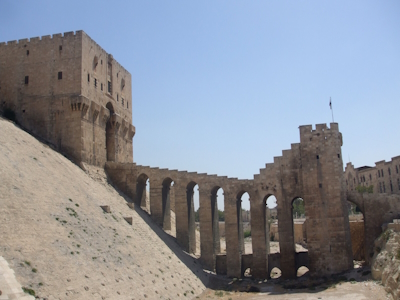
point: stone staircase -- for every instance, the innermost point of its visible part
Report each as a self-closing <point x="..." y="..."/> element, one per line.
<point x="9" y="286"/>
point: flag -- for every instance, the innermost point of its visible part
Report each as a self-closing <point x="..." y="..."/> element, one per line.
<point x="330" y="103"/>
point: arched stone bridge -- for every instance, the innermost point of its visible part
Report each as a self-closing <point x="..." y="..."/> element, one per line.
<point x="311" y="170"/>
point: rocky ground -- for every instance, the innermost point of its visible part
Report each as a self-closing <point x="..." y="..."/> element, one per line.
<point x="353" y="285"/>
<point x="386" y="262"/>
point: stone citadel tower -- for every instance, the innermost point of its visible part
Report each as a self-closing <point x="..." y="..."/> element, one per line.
<point x="68" y="91"/>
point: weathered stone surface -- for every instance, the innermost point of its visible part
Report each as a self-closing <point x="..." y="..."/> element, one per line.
<point x="385" y="265"/>
<point x="58" y="88"/>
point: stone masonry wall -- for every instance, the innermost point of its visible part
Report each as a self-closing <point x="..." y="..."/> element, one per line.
<point x="58" y="88"/>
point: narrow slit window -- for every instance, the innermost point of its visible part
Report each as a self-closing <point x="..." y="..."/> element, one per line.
<point x="88" y="77"/>
<point x="95" y="82"/>
<point x="122" y="101"/>
<point x="60" y="48"/>
<point x="27" y="52"/>
<point x="109" y="87"/>
<point x="127" y="104"/>
<point x="26" y="79"/>
<point x="101" y="86"/>
<point x="59" y="75"/>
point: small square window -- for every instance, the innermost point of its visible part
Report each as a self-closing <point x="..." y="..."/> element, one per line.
<point x="59" y="75"/>
<point x="26" y="79"/>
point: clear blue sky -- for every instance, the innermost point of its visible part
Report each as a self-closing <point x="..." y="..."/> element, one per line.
<point x="222" y="86"/>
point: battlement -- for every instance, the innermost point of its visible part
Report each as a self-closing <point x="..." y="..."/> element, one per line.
<point x="44" y="38"/>
<point x="57" y="38"/>
<point x="321" y="130"/>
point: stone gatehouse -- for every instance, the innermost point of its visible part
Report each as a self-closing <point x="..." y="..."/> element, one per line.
<point x="70" y="92"/>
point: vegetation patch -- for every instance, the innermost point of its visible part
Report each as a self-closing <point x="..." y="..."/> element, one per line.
<point x="247" y="233"/>
<point x="73" y="213"/>
<point x="29" y="291"/>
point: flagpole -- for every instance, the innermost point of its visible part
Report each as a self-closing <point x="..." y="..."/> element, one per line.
<point x="330" y="104"/>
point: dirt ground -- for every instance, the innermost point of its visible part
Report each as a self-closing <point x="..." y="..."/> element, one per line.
<point x="355" y="285"/>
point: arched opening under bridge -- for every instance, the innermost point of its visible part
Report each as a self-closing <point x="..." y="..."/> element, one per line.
<point x="143" y="192"/>
<point x="166" y="204"/>
<point x="299" y="225"/>
<point x="243" y="221"/>
<point x="357" y="233"/>
<point x="193" y="206"/>
<point x="275" y="273"/>
<point x="271" y="224"/>
<point x="217" y="216"/>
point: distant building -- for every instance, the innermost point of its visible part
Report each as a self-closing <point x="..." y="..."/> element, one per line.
<point x="385" y="176"/>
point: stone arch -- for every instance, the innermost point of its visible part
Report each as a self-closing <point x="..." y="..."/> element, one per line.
<point x="357" y="228"/>
<point x="275" y="273"/>
<point x="270" y="204"/>
<point x="190" y="190"/>
<point x="298" y="210"/>
<point x="239" y="216"/>
<point x="110" y="135"/>
<point x="141" y="190"/>
<point x="166" y="203"/>
<point x="215" y="220"/>
<point x="302" y="271"/>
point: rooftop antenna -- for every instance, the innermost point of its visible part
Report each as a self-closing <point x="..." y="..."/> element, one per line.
<point x="330" y="105"/>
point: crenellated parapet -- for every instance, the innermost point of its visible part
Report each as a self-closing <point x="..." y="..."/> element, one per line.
<point x="321" y="132"/>
<point x="44" y="39"/>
